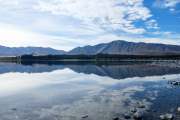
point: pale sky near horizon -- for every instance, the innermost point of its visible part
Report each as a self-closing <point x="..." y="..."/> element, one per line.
<point x="65" y="24"/>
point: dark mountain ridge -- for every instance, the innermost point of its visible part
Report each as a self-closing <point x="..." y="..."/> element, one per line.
<point x="127" y="48"/>
<point x="17" y="51"/>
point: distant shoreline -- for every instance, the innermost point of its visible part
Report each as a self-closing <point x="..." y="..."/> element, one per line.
<point x="89" y="58"/>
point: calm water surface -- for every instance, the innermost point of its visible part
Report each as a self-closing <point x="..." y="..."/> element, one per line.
<point x="87" y="92"/>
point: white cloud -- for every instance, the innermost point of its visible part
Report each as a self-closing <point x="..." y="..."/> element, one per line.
<point x="13" y="36"/>
<point x="7" y="2"/>
<point x="170" y="4"/>
<point x="109" y="14"/>
<point x="152" y="24"/>
<point x="54" y="26"/>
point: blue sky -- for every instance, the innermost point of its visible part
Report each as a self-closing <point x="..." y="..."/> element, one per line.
<point x="65" y="24"/>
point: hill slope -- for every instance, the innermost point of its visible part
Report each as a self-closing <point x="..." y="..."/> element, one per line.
<point x="127" y="48"/>
<point x="16" y="51"/>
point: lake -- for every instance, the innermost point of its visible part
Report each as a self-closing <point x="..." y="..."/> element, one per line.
<point x="89" y="91"/>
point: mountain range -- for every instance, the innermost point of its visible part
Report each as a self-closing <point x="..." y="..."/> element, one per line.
<point x="17" y="51"/>
<point x="118" y="47"/>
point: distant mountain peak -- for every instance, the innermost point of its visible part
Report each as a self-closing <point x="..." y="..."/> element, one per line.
<point x="123" y="47"/>
<point x="17" y="51"/>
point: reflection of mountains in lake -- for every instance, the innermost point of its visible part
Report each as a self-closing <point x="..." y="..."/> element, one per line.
<point x="36" y="68"/>
<point x="114" y="71"/>
<point x="126" y="71"/>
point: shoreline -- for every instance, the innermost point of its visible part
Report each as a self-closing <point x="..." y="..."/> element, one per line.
<point x="90" y="58"/>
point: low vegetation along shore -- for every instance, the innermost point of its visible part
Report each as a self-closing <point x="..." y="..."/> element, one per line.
<point x="99" y="57"/>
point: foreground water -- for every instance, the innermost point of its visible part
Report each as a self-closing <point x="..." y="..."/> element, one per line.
<point x="88" y="92"/>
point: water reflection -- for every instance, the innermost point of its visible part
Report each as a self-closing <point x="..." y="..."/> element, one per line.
<point x="117" y="71"/>
<point x="90" y="92"/>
